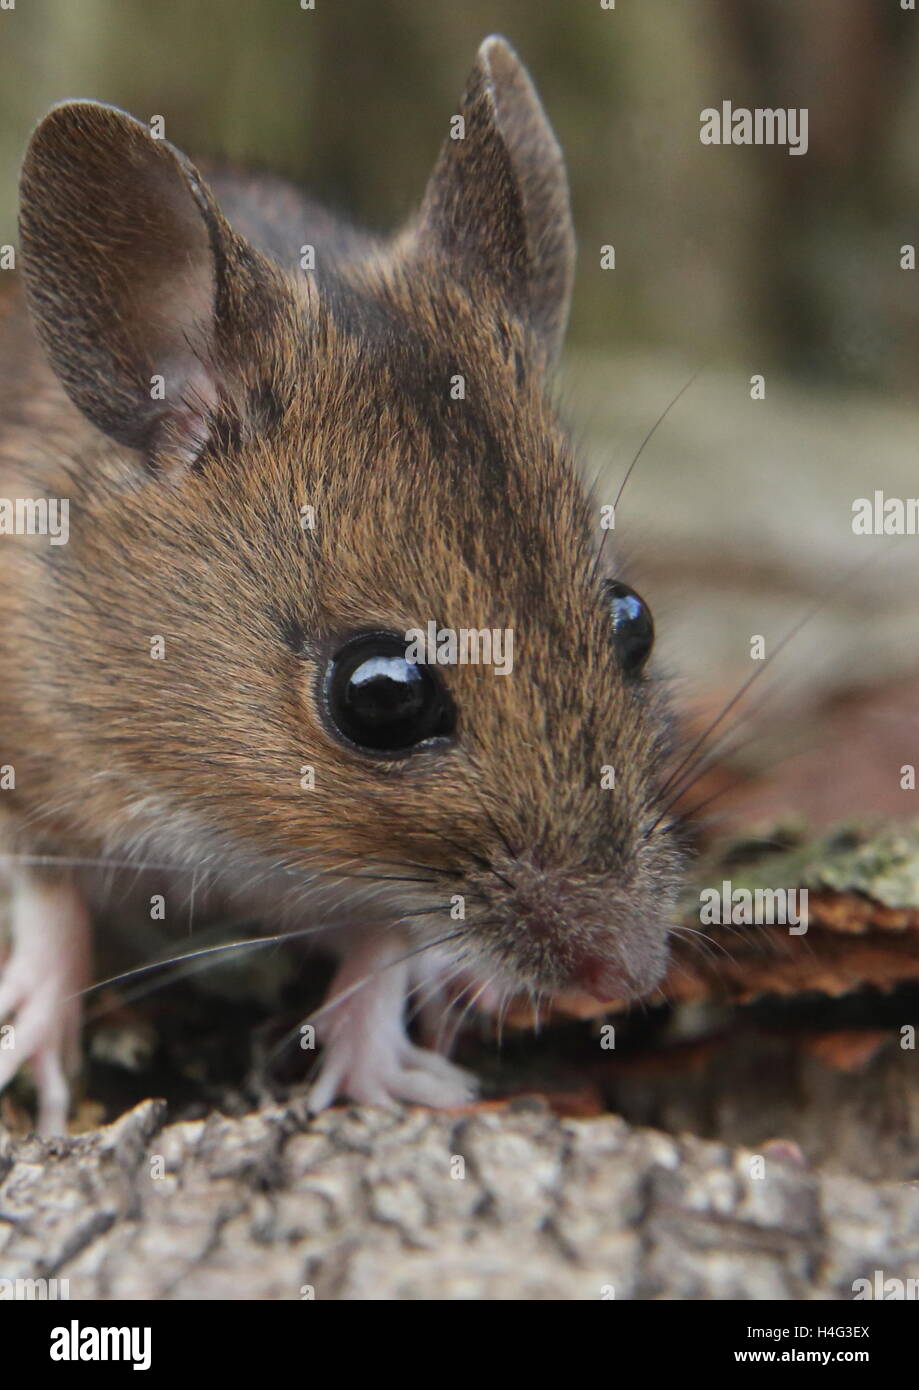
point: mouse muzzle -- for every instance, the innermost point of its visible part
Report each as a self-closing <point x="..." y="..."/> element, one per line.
<point x="553" y="929"/>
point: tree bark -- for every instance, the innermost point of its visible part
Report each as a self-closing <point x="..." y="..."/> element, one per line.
<point x="511" y="1203"/>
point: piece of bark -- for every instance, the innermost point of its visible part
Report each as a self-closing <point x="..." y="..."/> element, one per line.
<point x="361" y="1204"/>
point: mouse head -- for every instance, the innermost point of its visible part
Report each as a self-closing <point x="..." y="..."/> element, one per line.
<point x="341" y="498"/>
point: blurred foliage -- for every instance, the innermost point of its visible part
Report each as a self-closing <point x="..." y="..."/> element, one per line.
<point x="734" y="254"/>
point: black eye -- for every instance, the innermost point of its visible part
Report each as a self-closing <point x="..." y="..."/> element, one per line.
<point x="633" y="626"/>
<point x="382" y="702"/>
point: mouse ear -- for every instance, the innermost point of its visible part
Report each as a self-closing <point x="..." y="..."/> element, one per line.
<point x="124" y="262"/>
<point x="497" y="204"/>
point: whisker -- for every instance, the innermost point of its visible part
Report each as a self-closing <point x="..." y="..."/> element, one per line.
<point x="200" y="951"/>
<point x="690" y="813"/>
<point x="717" y="751"/>
<point x="700" y="940"/>
<point x="732" y="703"/>
<point x="631" y="468"/>
<point x="489" y="817"/>
<point x="848" y="577"/>
<point x="470" y="1004"/>
<point x="504" y="1004"/>
<point x="151" y="866"/>
<point x="475" y="856"/>
<point x="180" y="972"/>
<point x="60" y="861"/>
<point x="421" y="993"/>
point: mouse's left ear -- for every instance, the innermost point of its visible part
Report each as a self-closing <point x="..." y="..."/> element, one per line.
<point x="497" y="204"/>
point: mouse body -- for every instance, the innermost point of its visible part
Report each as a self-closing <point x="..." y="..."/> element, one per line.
<point x="287" y="446"/>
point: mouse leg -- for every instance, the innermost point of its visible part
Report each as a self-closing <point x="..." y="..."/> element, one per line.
<point x="367" y="1054"/>
<point x="40" y="984"/>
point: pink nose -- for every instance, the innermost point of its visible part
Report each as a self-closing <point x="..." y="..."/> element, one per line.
<point x="603" y="981"/>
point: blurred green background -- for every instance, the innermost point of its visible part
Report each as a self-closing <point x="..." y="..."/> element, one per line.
<point x="722" y="253"/>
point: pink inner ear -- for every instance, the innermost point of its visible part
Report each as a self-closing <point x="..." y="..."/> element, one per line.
<point x="190" y="400"/>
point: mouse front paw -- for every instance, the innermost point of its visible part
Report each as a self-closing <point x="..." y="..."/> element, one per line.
<point x="384" y="1077"/>
<point x="40" y="985"/>
<point x="367" y="1055"/>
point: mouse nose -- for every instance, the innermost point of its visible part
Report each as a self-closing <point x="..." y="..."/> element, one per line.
<point x="610" y="979"/>
<point x="597" y="934"/>
<point x="604" y="981"/>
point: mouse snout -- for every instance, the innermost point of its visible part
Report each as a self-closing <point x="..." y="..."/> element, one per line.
<point x="603" y="980"/>
<point x="604" y="934"/>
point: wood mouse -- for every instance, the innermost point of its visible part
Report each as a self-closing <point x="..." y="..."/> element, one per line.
<point x="278" y="464"/>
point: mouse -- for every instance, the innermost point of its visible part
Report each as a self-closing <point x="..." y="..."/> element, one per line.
<point x="316" y="484"/>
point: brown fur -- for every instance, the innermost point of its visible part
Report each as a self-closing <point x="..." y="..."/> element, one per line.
<point x="330" y="389"/>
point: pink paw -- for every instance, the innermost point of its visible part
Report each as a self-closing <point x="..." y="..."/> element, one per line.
<point x="367" y="1055"/>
